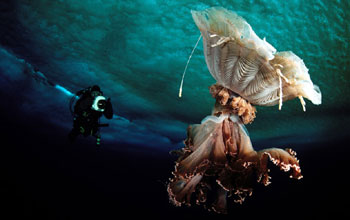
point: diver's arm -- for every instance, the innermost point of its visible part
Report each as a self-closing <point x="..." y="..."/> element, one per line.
<point x="108" y="112"/>
<point x="83" y="91"/>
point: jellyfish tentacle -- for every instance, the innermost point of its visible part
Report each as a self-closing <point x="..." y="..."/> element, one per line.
<point x="221" y="40"/>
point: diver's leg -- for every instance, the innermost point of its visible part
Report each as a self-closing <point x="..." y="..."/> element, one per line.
<point x="98" y="139"/>
<point x="73" y="134"/>
<point x="96" y="133"/>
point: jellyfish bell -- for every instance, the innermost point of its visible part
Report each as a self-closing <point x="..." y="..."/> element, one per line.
<point x="242" y="62"/>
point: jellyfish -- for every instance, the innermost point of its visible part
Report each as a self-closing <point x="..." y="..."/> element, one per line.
<point x="218" y="157"/>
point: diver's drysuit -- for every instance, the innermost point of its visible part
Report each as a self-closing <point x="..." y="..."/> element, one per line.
<point x="90" y="106"/>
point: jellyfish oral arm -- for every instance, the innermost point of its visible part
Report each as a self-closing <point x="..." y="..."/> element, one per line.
<point x="219" y="151"/>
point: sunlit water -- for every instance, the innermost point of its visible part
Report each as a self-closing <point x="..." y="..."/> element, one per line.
<point x="137" y="50"/>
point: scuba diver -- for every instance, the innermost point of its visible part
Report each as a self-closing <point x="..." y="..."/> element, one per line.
<point x="90" y="106"/>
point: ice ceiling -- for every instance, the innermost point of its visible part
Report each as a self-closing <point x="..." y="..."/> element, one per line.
<point x="137" y="50"/>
